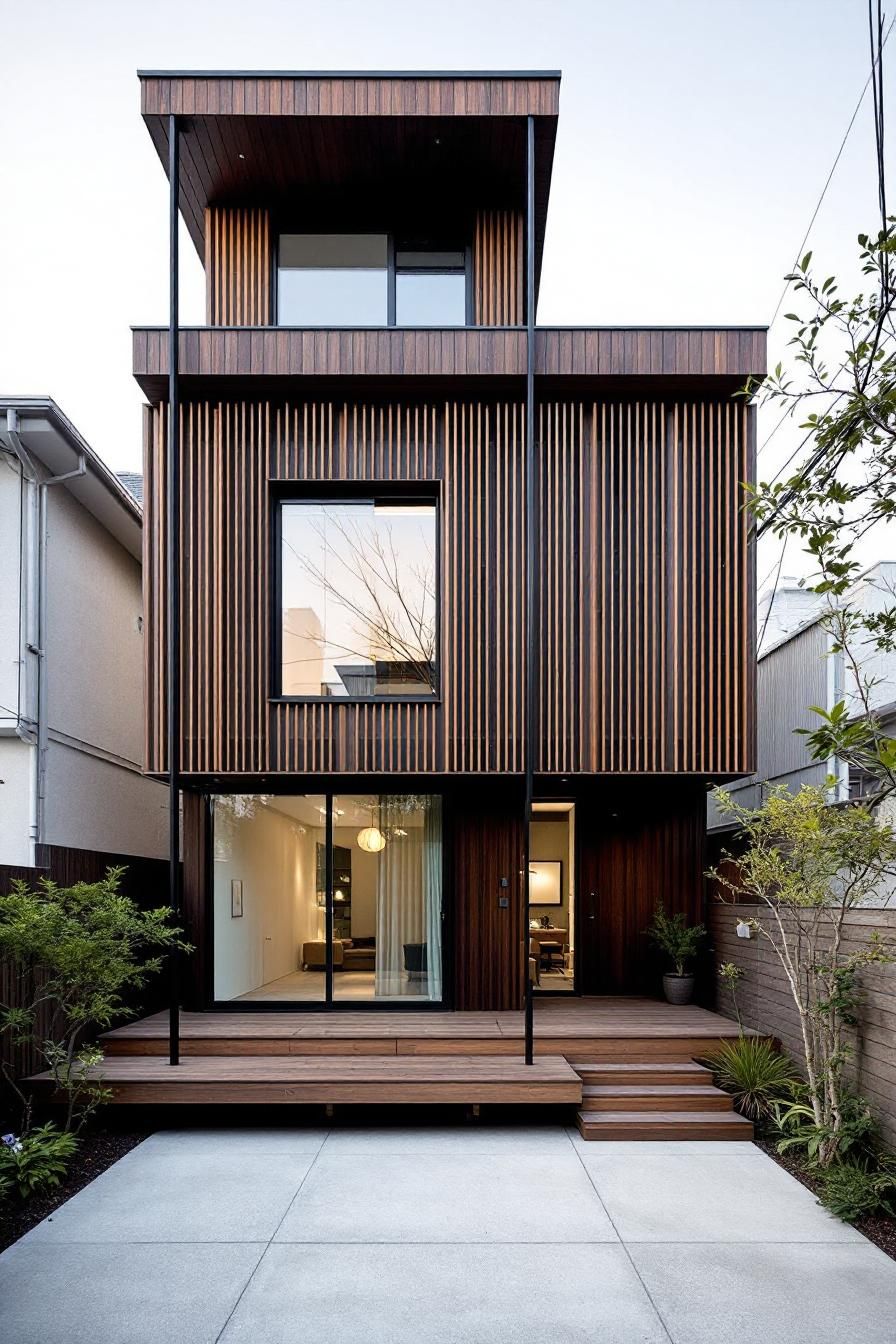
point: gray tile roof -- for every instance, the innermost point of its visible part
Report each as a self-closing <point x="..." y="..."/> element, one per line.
<point x="133" y="483"/>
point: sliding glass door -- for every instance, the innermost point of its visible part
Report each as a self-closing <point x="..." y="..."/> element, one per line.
<point x="324" y="899"/>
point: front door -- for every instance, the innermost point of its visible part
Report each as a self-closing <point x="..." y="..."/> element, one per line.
<point x="637" y="847"/>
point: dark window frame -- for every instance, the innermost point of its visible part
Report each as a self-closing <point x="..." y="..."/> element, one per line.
<point x="331" y="1003"/>
<point x="394" y="243"/>
<point x="355" y="492"/>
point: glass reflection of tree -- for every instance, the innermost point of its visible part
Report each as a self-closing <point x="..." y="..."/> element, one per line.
<point x="390" y="601"/>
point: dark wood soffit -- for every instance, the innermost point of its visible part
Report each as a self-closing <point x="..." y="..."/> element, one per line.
<point x="271" y="354"/>
<point x="272" y="140"/>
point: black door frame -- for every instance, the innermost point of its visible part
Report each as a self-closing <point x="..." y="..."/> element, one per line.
<point x="328" y="1003"/>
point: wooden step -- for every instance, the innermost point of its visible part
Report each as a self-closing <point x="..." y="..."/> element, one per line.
<point x="682" y="1073"/>
<point x="635" y="1125"/>
<point x="647" y="1097"/>
<point x="387" y="1080"/>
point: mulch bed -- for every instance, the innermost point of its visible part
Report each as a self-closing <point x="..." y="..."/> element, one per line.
<point x="879" y="1229"/>
<point x="98" y="1148"/>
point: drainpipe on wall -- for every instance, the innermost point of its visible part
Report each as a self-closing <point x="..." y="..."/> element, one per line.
<point x="40" y="531"/>
<point x="836" y="691"/>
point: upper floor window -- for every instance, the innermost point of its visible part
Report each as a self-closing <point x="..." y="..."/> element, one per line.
<point x="358" y="597"/>
<point x="367" y="280"/>
<point x="430" y="288"/>
<point x="333" y="280"/>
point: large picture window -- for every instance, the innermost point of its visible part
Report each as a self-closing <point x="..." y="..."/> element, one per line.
<point x="323" y="899"/>
<point x="358" y="583"/>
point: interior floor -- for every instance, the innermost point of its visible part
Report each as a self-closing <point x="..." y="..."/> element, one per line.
<point x="348" y="986"/>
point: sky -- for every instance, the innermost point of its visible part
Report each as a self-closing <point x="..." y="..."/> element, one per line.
<point x="695" y="137"/>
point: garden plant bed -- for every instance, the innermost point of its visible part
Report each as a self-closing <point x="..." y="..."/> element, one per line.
<point x="878" y="1229"/>
<point x="98" y="1148"/>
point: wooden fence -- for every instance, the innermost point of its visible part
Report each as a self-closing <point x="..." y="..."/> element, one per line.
<point x="766" y="1003"/>
<point x="144" y="880"/>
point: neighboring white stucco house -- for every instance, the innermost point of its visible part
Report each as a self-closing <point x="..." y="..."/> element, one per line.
<point x="71" y="647"/>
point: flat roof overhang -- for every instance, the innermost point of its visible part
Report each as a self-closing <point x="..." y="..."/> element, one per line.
<point x="408" y="142"/>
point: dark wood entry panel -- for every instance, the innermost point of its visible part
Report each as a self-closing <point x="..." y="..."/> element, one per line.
<point x="635" y="849"/>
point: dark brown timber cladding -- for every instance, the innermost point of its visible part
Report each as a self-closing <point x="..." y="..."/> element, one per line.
<point x="282" y="352"/>
<point x="640" y="845"/>
<point x="498" y="269"/>
<point x="645" y="630"/>
<point x="237" y="267"/>
<point x="488" y="847"/>
<point x="645" y="619"/>
<point x="349" y="96"/>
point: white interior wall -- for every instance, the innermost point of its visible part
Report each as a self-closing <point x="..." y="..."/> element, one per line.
<point x="275" y="859"/>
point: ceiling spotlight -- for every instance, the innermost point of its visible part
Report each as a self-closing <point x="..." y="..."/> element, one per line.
<point x="241" y="156"/>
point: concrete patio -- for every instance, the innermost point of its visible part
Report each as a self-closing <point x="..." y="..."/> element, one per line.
<point x="442" y="1236"/>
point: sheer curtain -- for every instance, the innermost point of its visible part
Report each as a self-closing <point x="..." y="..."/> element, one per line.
<point x="409" y="902"/>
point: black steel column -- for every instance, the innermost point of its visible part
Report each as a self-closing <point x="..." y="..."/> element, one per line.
<point x="330" y="803"/>
<point x="173" y="584"/>
<point x="530" y="555"/>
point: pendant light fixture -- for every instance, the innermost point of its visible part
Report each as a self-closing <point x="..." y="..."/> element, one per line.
<point x="371" y="838"/>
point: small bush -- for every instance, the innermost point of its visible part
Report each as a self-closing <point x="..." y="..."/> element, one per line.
<point x="673" y="935"/>
<point x="36" y="1161"/>
<point x="854" y="1138"/>
<point x="754" y="1072"/>
<point x="851" y="1192"/>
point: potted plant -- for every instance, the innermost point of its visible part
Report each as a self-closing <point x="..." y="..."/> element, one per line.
<point x="680" y="941"/>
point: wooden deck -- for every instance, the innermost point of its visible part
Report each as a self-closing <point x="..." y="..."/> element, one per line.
<point x="627" y="1064"/>
<point x="574" y="1028"/>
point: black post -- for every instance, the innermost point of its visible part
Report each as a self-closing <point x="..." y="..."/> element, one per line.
<point x="173" y="583"/>
<point x="329" y="803"/>
<point x="530" y="555"/>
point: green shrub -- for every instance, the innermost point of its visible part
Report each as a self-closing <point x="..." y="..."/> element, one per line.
<point x="78" y="955"/>
<point x="851" y="1192"/>
<point x="36" y="1161"/>
<point x="855" y="1135"/>
<point x="754" y="1072"/>
<point x="673" y="935"/>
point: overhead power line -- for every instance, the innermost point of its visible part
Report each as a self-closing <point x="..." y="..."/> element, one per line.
<point x="872" y="77"/>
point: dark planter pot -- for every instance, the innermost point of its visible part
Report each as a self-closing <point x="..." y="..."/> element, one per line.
<point x="678" y="988"/>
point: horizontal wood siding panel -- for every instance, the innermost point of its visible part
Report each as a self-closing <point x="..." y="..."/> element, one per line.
<point x="361" y="96"/>
<point x="450" y="351"/>
<point x="765" y="1000"/>
<point x="647" y="352"/>
<point x="238" y="262"/>
<point x="646" y="628"/>
<point x="498" y="256"/>
<point x="288" y="351"/>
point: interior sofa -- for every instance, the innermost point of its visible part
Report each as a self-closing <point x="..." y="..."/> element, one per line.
<point x="349" y="954"/>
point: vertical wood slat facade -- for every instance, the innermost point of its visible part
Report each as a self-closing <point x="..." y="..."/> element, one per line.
<point x="469" y="455"/>
<point x="498" y="261"/>
<point x="238" y="267"/>
<point x="645" y="617"/>
<point x="645" y="625"/>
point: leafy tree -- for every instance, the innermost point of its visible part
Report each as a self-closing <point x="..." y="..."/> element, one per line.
<point x="842" y="379"/>
<point x="809" y="864"/>
<point x="79" y="953"/>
